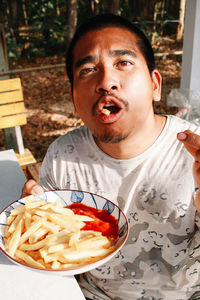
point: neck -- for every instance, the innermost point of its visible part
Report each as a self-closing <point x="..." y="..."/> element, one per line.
<point x="136" y="143"/>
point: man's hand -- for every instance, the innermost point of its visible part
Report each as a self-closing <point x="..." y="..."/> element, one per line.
<point x="31" y="188"/>
<point x="191" y="142"/>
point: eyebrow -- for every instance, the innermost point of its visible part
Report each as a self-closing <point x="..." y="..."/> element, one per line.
<point x="114" y="53"/>
<point x="87" y="59"/>
<point x="122" y="52"/>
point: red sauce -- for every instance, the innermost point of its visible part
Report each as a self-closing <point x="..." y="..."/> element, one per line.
<point x="103" y="221"/>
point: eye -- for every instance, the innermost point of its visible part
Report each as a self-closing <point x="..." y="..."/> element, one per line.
<point x="124" y="63"/>
<point x="86" y="71"/>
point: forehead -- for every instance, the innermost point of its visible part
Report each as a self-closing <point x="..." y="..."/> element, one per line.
<point x="110" y="38"/>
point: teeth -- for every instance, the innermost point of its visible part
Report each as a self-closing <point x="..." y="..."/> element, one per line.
<point x="109" y="105"/>
<point x="105" y="111"/>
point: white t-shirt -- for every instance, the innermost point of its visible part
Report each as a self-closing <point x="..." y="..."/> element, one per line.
<point x="161" y="258"/>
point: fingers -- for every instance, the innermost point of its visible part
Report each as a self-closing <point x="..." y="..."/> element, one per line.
<point x="191" y="142"/>
<point x="197" y="201"/>
<point x="31" y="188"/>
<point x="196" y="172"/>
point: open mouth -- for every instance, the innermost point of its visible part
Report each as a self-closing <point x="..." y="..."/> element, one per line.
<point x="110" y="109"/>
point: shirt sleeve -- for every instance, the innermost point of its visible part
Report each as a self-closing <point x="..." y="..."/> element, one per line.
<point x="46" y="175"/>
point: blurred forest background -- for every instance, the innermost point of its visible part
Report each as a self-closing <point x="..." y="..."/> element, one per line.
<point x="36" y="34"/>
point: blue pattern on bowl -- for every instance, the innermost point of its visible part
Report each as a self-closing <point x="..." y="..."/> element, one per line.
<point x="20" y="202"/>
<point x="93" y="198"/>
<point x="123" y="229"/>
<point x="109" y="206"/>
<point x="77" y="197"/>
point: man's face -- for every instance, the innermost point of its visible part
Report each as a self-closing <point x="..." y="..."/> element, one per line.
<point x="113" y="89"/>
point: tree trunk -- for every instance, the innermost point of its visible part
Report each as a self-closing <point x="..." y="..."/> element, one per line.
<point x="13" y="18"/>
<point x="113" y="6"/>
<point x="180" y="27"/>
<point x="71" y="20"/>
<point x="24" y="13"/>
<point x="96" y="6"/>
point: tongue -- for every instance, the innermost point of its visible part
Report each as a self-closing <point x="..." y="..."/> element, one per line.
<point x="113" y="109"/>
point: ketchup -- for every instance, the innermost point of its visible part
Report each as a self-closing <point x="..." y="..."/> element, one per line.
<point x="103" y="221"/>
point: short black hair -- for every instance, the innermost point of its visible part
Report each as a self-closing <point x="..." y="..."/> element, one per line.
<point x="104" y="21"/>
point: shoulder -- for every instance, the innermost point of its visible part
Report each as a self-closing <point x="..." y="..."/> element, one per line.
<point x="177" y="124"/>
<point x="75" y="137"/>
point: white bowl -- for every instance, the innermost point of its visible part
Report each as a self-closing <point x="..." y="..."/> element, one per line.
<point x="68" y="197"/>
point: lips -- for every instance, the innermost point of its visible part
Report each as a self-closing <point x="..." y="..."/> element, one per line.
<point x="108" y="109"/>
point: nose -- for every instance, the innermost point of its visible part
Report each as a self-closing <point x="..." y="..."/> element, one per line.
<point x="107" y="81"/>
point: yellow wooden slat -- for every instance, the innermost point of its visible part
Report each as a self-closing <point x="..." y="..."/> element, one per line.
<point x="11" y="121"/>
<point x="11" y="93"/>
<point x="26" y="158"/>
<point x="10" y="84"/>
<point x="10" y="90"/>
<point x="12" y="109"/>
<point x="13" y="96"/>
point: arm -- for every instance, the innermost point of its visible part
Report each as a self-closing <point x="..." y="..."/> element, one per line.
<point x="191" y="142"/>
<point x="45" y="181"/>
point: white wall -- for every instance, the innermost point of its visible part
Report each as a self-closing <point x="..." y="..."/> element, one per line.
<point x="190" y="77"/>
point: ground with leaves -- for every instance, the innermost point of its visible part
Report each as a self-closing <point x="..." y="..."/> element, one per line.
<point x="49" y="108"/>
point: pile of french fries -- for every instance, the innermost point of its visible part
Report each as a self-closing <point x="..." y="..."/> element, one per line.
<point x="47" y="235"/>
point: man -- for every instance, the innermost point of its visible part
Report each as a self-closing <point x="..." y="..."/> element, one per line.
<point x="131" y="156"/>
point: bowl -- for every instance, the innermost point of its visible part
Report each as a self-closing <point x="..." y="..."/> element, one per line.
<point x="68" y="197"/>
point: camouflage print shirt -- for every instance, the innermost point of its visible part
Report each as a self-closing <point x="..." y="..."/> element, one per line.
<point x="161" y="258"/>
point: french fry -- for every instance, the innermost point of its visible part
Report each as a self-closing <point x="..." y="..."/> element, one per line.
<point x="28" y="259"/>
<point x="55" y="248"/>
<point x="14" y="224"/>
<point x="51" y="227"/>
<point x="6" y="232"/>
<point x="105" y="111"/>
<point x="93" y="243"/>
<point x="74" y="239"/>
<point x="17" y="210"/>
<point x="66" y="222"/>
<point x="27" y="217"/>
<point x="37" y="235"/>
<point x="83" y="218"/>
<point x="57" y="209"/>
<point x="69" y="255"/>
<point x="34" y="204"/>
<point x="15" y="239"/>
<point x="36" y="246"/>
<point x="34" y="226"/>
<point x="55" y="265"/>
<point x="10" y="219"/>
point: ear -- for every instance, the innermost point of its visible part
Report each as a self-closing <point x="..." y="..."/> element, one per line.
<point x="157" y="82"/>
<point x="72" y="98"/>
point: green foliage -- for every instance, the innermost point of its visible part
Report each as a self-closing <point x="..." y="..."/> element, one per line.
<point x="44" y="28"/>
<point x="47" y="30"/>
<point x="13" y="49"/>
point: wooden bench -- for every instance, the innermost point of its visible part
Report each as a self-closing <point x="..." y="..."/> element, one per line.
<point x="12" y="116"/>
<point x="32" y="171"/>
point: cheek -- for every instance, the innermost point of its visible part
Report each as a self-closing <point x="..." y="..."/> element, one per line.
<point x="82" y="107"/>
<point x="84" y="97"/>
<point x="139" y="88"/>
<point x="82" y="92"/>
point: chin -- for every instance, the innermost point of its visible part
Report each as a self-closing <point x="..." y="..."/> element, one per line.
<point x="110" y="137"/>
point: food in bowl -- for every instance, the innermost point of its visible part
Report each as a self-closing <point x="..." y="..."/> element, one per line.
<point x="73" y="199"/>
<point x="49" y="236"/>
